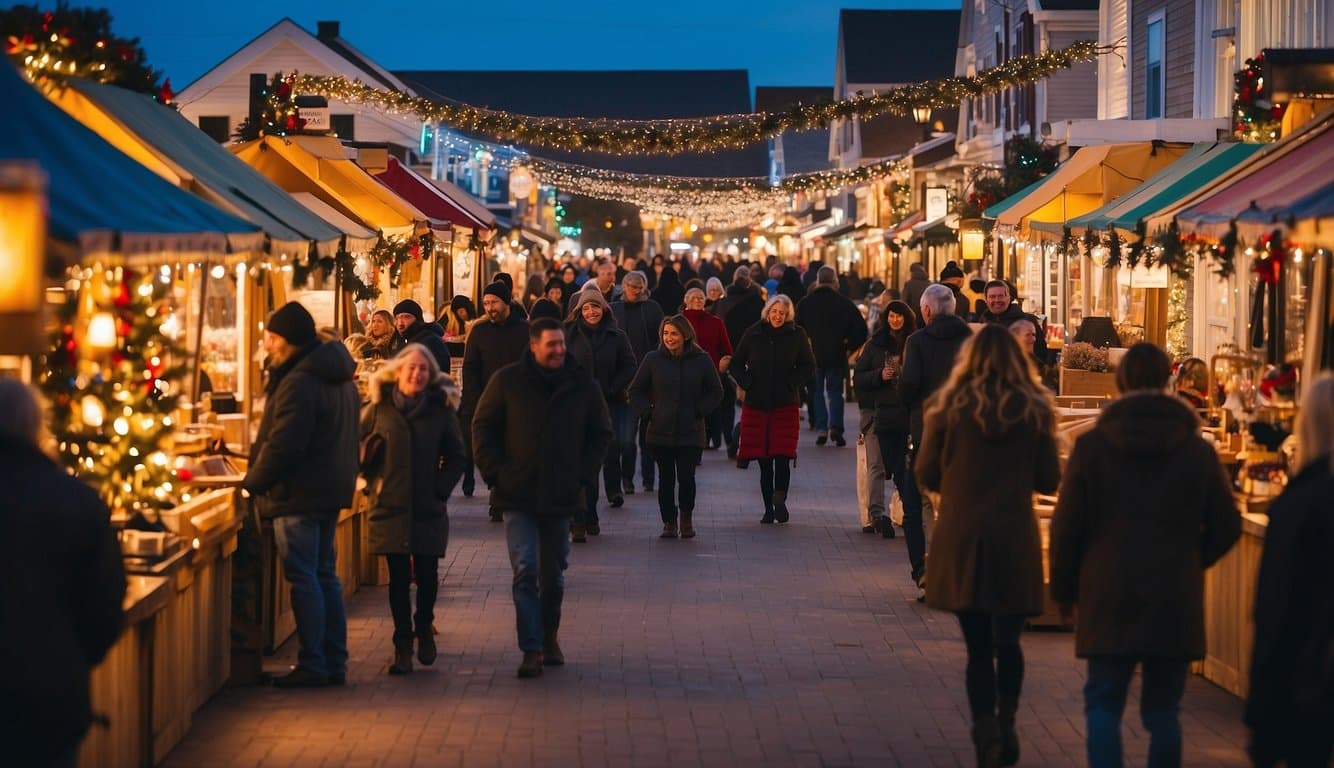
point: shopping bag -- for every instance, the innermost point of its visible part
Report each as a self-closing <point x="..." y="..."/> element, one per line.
<point x="863" y="477"/>
<point x="895" y="505"/>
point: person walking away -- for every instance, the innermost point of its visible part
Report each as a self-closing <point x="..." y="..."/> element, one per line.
<point x="711" y="336"/>
<point x="539" y="435"/>
<point x="412" y="414"/>
<point x="791" y="285"/>
<point x="668" y="293"/>
<point x="928" y="358"/>
<point x="497" y="339"/>
<point x="640" y="317"/>
<point x="1000" y="309"/>
<point x="918" y="281"/>
<point x="739" y="309"/>
<point x="380" y="336"/>
<point x="770" y="364"/>
<point x="1143" y="468"/>
<point x="836" y="328"/>
<point x="62" y="565"/>
<point x="986" y="556"/>
<point x="302" y="472"/>
<point x="951" y="276"/>
<point x="884" y="417"/>
<point x="602" y="349"/>
<point x="675" y="387"/>
<point x="1291" y="702"/>
<point x="413" y="329"/>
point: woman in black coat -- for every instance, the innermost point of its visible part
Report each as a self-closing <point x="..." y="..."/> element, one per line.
<point x="413" y="412"/>
<point x="669" y="293"/>
<point x="1291" y="703"/>
<point x="790" y="284"/>
<point x="602" y="349"/>
<point x="875" y="380"/>
<point x="676" y="387"/>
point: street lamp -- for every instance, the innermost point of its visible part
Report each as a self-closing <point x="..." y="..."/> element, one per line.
<point x="972" y="240"/>
<point x="921" y="114"/>
<point x="22" y="249"/>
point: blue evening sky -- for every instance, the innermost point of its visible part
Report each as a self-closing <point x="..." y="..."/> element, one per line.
<point x="781" y="42"/>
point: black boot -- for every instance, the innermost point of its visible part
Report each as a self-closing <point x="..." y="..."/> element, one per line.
<point x="986" y="743"/>
<point x="426" y="651"/>
<point x="1009" y="738"/>
<point x="780" y="506"/>
<point x="402" y="663"/>
<point x="552" y="655"/>
<point x="687" y="524"/>
<point x="531" y="665"/>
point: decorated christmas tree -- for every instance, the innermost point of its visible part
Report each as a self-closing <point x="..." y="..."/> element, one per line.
<point x="112" y="377"/>
<point x="77" y="42"/>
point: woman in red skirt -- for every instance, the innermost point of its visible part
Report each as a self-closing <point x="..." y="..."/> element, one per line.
<point x="771" y="361"/>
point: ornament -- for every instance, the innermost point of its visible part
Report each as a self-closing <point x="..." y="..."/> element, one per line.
<point x="165" y="94"/>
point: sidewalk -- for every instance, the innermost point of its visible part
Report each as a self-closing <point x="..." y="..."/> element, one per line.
<point x="748" y="645"/>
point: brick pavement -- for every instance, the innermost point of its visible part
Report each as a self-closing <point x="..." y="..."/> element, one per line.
<point x="794" y="645"/>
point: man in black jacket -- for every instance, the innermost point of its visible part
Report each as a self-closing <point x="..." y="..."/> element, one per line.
<point x="836" y="328"/>
<point x="61" y="608"/>
<point x="641" y="319"/>
<point x="912" y="290"/>
<point x="539" y="434"/>
<point x="1002" y="309"/>
<point x="494" y="342"/>
<point x="739" y="309"/>
<point x="928" y="358"/>
<point x="413" y="329"/>
<point x="303" y="470"/>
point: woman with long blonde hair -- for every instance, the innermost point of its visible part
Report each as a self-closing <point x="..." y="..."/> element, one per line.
<point x="987" y="446"/>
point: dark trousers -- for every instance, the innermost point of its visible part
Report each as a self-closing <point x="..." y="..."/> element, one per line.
<point x="402" y="569"/>
<point x="898" y="467"/>
<point x="1163" y="684"/>
<point x="624" y="421"/>
<point x="775" y="475"/>
<point x="995" y="660"/>
<point x="718" y="424"/>
<point x="676" y="466"/>
<point x="589" y="514"/>
<point x="465" y="425"/>
<point x="646" y="458"/>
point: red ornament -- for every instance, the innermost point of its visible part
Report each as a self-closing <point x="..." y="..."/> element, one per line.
<point x="184" y="475"/>
<point x="1267" y="269"/>
<point x="165" y="95"/>
<point x="122" y="300"/>
<point x="291" y="122"/>
<point x="47" y="18"/>
<point x="1276" y="112"/>
<point x="19" y="45"/>
<point x="284" y="90"/>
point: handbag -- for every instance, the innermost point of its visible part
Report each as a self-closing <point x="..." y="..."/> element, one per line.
<point x="370" y="452"/>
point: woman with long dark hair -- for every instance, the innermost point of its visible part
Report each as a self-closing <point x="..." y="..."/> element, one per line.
<point x="884" y="418"/>
<point x="985" y="559"/>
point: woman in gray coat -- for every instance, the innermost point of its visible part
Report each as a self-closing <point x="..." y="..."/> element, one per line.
<point x="412" y="415"/>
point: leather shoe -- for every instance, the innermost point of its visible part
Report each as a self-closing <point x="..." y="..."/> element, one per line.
<point x="301" y="677"/>
<point x="821" y="438"/>
<point x="668" y="531"/>
<point x="496" y="516"/>
<point x="628" y="486"/>
<point x="616" y="501"/>
<point x="578" y="534"/>
<point x="532" y="664"/>
<point x="426" y="651"/>
<point x="552" y="656"/>
<point x="594" y="529"/>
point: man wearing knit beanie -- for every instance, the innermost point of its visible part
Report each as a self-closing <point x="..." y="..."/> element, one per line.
<point x="952" y="276"/>
<point x="497" y="340"/>
<point x="413" y="329"/>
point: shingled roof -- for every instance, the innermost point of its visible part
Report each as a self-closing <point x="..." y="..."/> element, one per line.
<point x="625" y="94"/>
<point x="803" y="151"/>
<point x="897" y="46"/>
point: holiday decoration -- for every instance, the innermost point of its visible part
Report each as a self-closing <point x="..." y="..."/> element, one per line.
<point x="703" y="134"/>
<point x="278" y="112"/>
<point x="111" y="405"/>
<point x="1255" y="117"/>
<point x="76" y="42"/>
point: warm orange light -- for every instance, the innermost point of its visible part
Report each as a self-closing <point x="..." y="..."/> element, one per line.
<point x="22" y="246"/>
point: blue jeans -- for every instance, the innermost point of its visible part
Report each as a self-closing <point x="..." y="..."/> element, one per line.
<point x="306" y="546"/>
<point x="1163" y="684"/>
<point x="539" y="554"/>
<point x="623" y="423"/>
<point x="898" y="467"/>
<point x="828" y="386"/>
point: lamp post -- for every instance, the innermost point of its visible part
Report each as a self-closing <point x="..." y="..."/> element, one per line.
<point x="22" y="250"/>
<point x="921" y="114"/>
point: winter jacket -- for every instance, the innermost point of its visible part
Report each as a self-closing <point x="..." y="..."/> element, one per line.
<point x="642" y="323"/>
<point x="928" y="359"/>
<point x="1013" y="313"/>
<point x="676" y="393"/>
<point x="873" y="392"/>
<point x="1292" y="672"/>
<point x="963" y="306"/>
<point x="61" y="607"/>
<point x="304" y="459"/>
<point x="422" y="462"/>
<point x="835" y="326"/>
<point x="986" y="554"/>
<point x="792" y="285"/>
<point x="491" y="346"/>
<point x="431" y="336"/>
<point x="710" y="334"/>
<point x="739" y="309"/>
<point x="771" y="364"/>
<point x="603" y="351"/>
<point x="540" y="436"/>
<point x="912" y="295"/>
<point x="1142" y="487"/>
<point x="668" y="292"/>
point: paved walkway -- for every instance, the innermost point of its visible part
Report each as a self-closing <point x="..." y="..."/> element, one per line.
<point x="749" y="645"/>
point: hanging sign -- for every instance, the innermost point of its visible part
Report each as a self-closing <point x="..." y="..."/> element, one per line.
<point x="937" y="203"/>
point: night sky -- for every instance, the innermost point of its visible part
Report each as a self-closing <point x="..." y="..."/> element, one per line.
<point x="781" y="42"/>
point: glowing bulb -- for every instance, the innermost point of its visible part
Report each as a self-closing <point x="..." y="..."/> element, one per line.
<point x="122" y="426"/>
<point x="102" y="331"/>
<point x="91" y="411"/>
<point x="218" y="272"/>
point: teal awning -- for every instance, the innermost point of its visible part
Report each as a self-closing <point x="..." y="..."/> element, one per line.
<point x="218" y="175"/>
<point x="1012" y="200"/>
<point x="103" y="200"/>
<point x="1202" y="164"/>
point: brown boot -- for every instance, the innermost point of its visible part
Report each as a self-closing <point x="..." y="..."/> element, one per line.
<point x="552" y="656"/>
<point x="402" y="663"/>
<point x="426" y="652"/>
<point x="532" y="664"/>
<point x="687" y="524"/>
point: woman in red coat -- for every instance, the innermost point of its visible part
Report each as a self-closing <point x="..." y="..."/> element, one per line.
<point x="711" y="335"/>
<point x="771" y="361"/>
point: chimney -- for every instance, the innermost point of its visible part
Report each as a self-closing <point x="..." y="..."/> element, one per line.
<point x="327" y="30"/>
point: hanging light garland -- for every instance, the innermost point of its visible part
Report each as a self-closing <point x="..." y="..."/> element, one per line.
<point x="703" y="134"/>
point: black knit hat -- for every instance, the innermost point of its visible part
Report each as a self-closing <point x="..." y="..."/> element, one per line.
<point x="543" y="308"/>
<point x="500" y="290"/>
<point x="409" y="307"/>
<point x="951" y="270"/>
<point x="292" y="322"/>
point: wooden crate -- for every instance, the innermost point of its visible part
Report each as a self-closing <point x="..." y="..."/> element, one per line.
<point x="1077" y="382"/>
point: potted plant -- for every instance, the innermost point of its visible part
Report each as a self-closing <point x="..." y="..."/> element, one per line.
<point x="1086" y="370"/>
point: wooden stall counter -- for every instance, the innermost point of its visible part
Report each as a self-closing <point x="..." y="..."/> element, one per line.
<point x="1229" y="604"/>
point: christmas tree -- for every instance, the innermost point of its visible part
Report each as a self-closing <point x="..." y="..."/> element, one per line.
<point x="112" y="377"/>
<point x="77" y="42"/>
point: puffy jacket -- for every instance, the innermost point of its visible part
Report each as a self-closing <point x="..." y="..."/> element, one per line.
<point x="539" y="436"/>
<point x="304" y="459"/>
<point x="771" y="364"/>
<point x="1013" y="313"/>
<point x="491" y="346"/>
<point x="431" y="336"/>
<point x="603" y="351"/>
<point x="928" y="358"/>
<point x="676" y="393"/>
<point x="834" y="324"/>
<point x="642" y="322"/>
<point x="873" y="392"/>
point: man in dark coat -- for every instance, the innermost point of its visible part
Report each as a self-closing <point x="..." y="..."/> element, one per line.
<point x="303" y="470"/>
<point x="61" y="608"/>
<point x="951" y="276"/>
<point x="1001" y="309"/>
<point x="413" y="329"/>
<point x="494" y="342"/>
<point x="1140" y="597"/>
<point x="928" y="359"/>
<point x="836" y="328"/>
<point x="912" y="290"/>
<point x="539" y="434"/>
<point x="641" y="319"/>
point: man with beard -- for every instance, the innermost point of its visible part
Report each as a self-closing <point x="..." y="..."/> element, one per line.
<point x="495" y="341"/>
<point x="413" y="329"/>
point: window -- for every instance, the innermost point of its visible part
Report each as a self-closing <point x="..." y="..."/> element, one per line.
<point x="345" y="126"/>
<point x="1154" y="77"/>
<point x="218" y="128"/>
